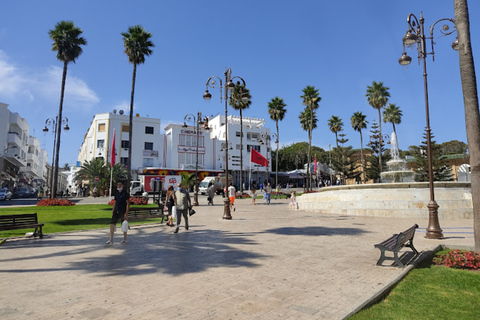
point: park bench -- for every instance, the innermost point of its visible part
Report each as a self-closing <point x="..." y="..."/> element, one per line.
<point x="21" y="221"/>
<point x="150" y="212"/>
<point x="395" y="243"/>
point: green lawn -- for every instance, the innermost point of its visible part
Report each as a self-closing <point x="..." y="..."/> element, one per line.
<point x="62" y="219"/>
<point x="430" y="292"/>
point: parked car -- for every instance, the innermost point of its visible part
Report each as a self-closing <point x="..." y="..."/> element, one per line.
<point x="5" y="194"/>
<point x="22" y="192"/>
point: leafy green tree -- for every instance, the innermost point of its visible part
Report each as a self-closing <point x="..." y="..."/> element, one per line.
<point x="66" y="167"/>
<point x="377" y="96"/>
<point x="67" y="41"/>
<point x="335" y="124"/>
<point x="454" y="147"/>
<point x="137" y="44"/>
<point x="240" y="100"/>
<point x="276" y="110"/>
<point x="188" y="179"/>
<point x="294" y="156"/>
<point x="311" y="99"/>
<point x="359" y="122"/>
<point x="392" y="114"/>
<point x="98" y="168"/>
<point x="373" y="160"/>
<point x="441" y="169"/>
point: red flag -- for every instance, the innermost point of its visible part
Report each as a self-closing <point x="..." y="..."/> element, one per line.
<point x="315" y="169"/>
<point x="112" y="161"/>
<point x="257" y="158"/>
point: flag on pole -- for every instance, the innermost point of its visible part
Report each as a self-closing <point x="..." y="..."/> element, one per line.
<point x="315" y="168"/>
<point x="257" y="158"/>
<point x="112" y="161"/>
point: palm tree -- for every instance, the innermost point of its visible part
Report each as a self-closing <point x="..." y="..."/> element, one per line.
<point x="377" y="96"/>
<point x="239" y="100"/>
<point x="308" y="121"/>
<point x="358" y="123"/>
<point x="335" y="124"/>
<point x="472" y="114"/>
<point x="67" y="42"/>
<point x="392" y="114"/>
<point x="311" y="100"/>
<point x="137" y="44"/>
<point x="90" y="170"/>
<point x="276" y="110"/>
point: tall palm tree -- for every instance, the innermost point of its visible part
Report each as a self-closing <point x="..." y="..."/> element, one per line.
<point x="358" y="123"/>
<point x="311" y="99"/>
<point x="98" y="168"/>
<point x="392" y="114"/>
<point x="276" y="110"/>
<point x="67" y="42"/>
<point x="308" y="121"/>
<point x="335" y="124"/>
<point x="472" y="113"/>
<point x="239" y="100"/>
<point x="137" y="44"/>
<point x="377" y="96"/>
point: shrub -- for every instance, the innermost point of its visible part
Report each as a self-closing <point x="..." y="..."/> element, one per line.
<point x="459" y="259"/>
<point x="55" y="202"/>
<point x="133" y="200"/>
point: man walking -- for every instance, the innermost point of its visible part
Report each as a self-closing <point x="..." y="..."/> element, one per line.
<point x="231" y="196"/>
<point x="121" y="207"/>
<point x="268" y="193"/>
<point x="183" y="204"/>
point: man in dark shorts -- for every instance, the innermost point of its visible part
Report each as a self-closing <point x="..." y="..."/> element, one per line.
<point x="120" y="210"/>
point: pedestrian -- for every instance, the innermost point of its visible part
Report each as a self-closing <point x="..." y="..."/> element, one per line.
<point x="121" y="206"/>
<point x="254" y="193"/>
<point x="268" y="193"/>
<point x="169" y="204"/>
<point x="183" y="204"/>
<point x="210" y="193"/>
<point x="231" y="196"/>
<point x="277" y="191"/>
<point x="293" y="200"/>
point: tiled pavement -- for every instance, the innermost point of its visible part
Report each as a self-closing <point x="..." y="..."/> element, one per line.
<point x="268" y="262"/>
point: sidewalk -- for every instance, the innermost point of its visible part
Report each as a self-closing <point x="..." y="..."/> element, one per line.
<point x="268" y="262"/>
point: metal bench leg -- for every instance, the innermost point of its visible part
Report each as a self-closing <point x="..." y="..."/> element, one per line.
<point x="382" y="258"/>
<point x="397" y="260"/>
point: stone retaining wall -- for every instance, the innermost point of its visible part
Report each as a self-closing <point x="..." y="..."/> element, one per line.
<point x="391" y="200"/>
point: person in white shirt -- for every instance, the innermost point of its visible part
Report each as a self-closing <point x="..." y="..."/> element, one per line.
<point x="231" y="196"/>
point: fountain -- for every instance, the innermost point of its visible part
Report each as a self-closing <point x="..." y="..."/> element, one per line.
<point x="397" y="168"/>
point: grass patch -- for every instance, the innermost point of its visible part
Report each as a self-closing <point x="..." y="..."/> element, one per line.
<point x="430" y="292"/>
<point x="70" y="218"/>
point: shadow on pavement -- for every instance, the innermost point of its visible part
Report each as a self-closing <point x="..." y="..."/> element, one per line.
<point x="316" y="231"/>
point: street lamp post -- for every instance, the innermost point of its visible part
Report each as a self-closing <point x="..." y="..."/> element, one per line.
<point x="198" y="121"/>
<point x="229" y="85"/>
<point x="56" y="146"/>
<point x="274" y="136"/>
<point x="416" y="35"/>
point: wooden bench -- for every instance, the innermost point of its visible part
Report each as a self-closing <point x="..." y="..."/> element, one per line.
<point x="21" y="221"/>
<point x="149" y="212"/>
<point x="395" y="243"/>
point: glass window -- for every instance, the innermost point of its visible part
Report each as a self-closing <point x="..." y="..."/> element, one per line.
<point x="125" y="144"/>
<point x="125" y="128"/>
<point x="148" y="145"/>
<point x="100" y="143"/>
<point x="148" y="130"/>
<point x="124" y="161"/>
<point x="101" y="127"/>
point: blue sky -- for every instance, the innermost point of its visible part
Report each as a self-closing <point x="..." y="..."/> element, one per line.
<point x="278" y="47"/>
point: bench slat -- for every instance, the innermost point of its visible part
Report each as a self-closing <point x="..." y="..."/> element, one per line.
<point x="395" y="243"/>
<point x="21" y="221"/>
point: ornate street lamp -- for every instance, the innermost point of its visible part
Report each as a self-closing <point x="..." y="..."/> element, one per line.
<point x="199" y="121"/>
<point x="229" y="85"/>
<point x="51" y="122"/>
<point x="416" y="35"/>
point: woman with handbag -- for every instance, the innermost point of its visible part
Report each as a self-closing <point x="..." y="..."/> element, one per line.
<point x="170" y="205"/>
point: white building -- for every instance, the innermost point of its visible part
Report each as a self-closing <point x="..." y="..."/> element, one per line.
<point x="147" y="139"/>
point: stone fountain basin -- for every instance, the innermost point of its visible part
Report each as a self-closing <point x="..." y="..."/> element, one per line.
<point x="407" y="199"/>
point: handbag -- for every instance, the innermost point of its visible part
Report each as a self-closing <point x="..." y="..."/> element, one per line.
<point x="124" y="227"/>
<point x="174" y="212"/>
<point x="192" y="212"/>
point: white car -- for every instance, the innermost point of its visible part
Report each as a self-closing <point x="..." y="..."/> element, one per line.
<point x="5" y="194"/>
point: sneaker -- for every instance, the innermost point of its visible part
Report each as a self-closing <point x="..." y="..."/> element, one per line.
<point x="176" y="230"/>
<point x="124" y="241"/>
<point x="108" y="243"/>
<point x="186" y="227"/>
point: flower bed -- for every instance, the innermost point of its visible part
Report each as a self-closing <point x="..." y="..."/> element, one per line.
<point x="55" y="202"/>
<point x="459" y="259"/>
<point x="133" y="200"/>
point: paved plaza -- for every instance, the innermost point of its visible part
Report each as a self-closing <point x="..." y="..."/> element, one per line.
<point x="268" y="262"/>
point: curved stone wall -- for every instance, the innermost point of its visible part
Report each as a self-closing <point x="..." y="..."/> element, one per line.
<point x="392" y="200"/>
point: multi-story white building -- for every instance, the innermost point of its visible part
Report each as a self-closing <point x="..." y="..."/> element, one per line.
<point x="147" y="139"/>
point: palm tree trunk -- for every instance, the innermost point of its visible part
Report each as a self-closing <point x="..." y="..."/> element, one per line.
<point x="472" y="115"/>
<point x="361" y="157"/>
<point x="276" y="156"/>
<point x="130" y="128"/>
<point x="308" y="182"/>
<point x="59" y="130"/>
<point x="380" y="140"/>
<point x="241" y="152"/>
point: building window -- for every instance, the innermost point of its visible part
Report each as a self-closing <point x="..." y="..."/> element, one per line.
<point x="190" y="141"/>
<point x="237" y="146"/>
<point x="148" y="146"/>
<point x="237" y="134"/>
<point x="125" y="128"/>
<point x="148" y="130"/>
<point x="125" y="144"/>
<point x="101" y="127"/>
<point x="188" y="160"/>
<point x="124" y="161"/>
<point x="100" y="143"/>
<point x="256" y="148"/>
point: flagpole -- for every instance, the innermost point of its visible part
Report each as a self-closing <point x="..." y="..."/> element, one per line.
<point x="111" y="176"/>
<point x="250" y="174"/>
